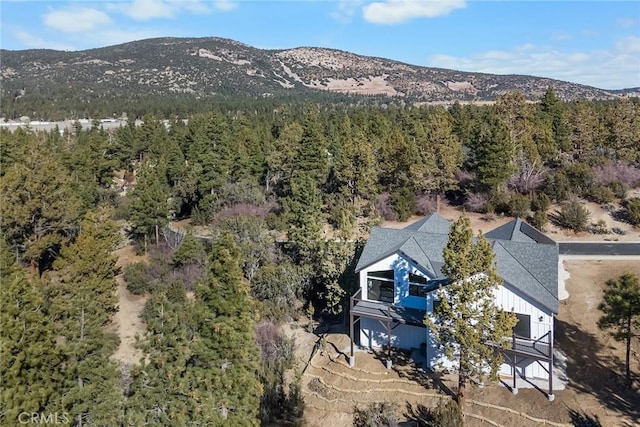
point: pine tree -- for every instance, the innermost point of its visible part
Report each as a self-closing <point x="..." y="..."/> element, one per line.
<point x="303" y="214"/>
<point x="492" y="153"/>
<point x="39" y="210"/>
<point x="161" y="392"/>
<point x="225" y="361"/>
<point x="82" y="298"/>
<point x="149" y="206"/>
<point x="354" y="165"/>
<point x="29" y="357"/>
<point x="621" y="308"/>
<point x="553" y="109"/>
<point x="467" y="322"/>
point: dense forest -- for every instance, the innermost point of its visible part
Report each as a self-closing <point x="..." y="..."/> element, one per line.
<point x="287" y="194"/>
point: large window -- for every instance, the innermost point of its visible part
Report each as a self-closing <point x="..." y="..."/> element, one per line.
<point x="523" y="327"/>
<point x="380" y="285"/>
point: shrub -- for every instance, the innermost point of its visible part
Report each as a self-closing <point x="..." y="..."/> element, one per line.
<point x="135" y="275"/>
<point x="600" y="227"/>
<point x="581" y="178"/>
<point x="519" y="206"/>
<point x="540" y="202"/>
<point x="500" y="202"/>
<point x="539" y="220"/>
<point x="376" y="415"/>
<point x="601" y="194"/>
<point x="475" y="202"/>
<point x="384" y="208"/>
<point x="557" y="186"/>
<point x="426" y="204"/>
<point x="573" y="216"/>
<point x="617" y="171"/>
<point x="619" y="188"/>
<point x="404" y="202"/>
<point x="446" y="414"/>
<point x="632" y="207"/>
<point x="526" y="181"/>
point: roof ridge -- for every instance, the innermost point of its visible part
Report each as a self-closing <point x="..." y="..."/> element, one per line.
<point x="424" y="252"/>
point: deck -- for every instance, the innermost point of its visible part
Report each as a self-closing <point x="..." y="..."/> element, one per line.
<point x="384" y="311"/>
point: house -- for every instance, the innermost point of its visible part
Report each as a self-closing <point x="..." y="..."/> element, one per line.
<point x="399" y="272"/>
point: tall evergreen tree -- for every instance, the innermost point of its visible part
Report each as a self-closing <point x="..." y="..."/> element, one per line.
<point x="29" y="357"/>
<point x="466" y="320"/>
<point x="492" y="153"/>
<point x="302" y="211"/>
<point x="354" y="165"/>
<point x="149" y="207"/>
<point x="621" y="308"/>
<point x="39" y="210"/>
<point x="225" y="361"/>
<point x="82" y="301"/>
<point x="553" y="109"/>
<point x="162" y="392"/>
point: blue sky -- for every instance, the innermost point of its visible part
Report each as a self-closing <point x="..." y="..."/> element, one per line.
<point x="590" y="42"/>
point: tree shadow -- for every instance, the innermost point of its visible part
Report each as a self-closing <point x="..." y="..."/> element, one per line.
<point x="405" y="367"/>
<point x="419" y="414"/>
<point x="600" y="377"/>
<point x="583" y="420"/>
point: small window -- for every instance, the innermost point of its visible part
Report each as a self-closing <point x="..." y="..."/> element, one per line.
<point x="414" y="278"/>
<point x="385" y="274"/>
<point x="523" y="327"/>
<point x="417" y="290"/>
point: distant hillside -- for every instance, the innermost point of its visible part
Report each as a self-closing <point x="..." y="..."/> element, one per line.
<point x="204" y="67"/>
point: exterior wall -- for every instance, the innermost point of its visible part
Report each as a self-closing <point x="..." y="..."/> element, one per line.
<point x="402" y="269"/>
<point x="373" y="333"/>
<point x="510" y="299"/>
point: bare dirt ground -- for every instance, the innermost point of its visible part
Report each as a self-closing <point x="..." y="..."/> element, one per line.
<point x="484" y="223"/>
<point x="127" y="322"/>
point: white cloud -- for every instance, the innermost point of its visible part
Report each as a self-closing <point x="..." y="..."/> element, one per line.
<point x="346" y="10"/>
<point x="113" y="36"/>
<point x="628" y="44"/>
<point x="144" y="10"/>
<point x="75" y="20"/>
<point x="626" y="22"/>
<point x="225" y="5"/>
<point x="32" y="41"/>
<point x="615" y="68"/>
<point x="398" y="11"/>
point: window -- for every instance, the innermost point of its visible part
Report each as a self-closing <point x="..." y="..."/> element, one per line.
<point x="380" y="285"/>
<point x="414" y="278"/>
<point x="417" y="290"/>
<point x="417" y="286"/>
<point x="523" y="327"/>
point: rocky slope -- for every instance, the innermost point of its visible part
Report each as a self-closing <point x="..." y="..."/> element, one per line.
<point x="208" y="66"/>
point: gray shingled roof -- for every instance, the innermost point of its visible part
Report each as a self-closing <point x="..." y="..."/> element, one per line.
<point x="518" y="231"/>
<point x="527" y="260"/>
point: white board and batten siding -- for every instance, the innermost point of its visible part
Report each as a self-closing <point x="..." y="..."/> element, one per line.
<point x="512" y="300"/>
<point x="373" y="333"/>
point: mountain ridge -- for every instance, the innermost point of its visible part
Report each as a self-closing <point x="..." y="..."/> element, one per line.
<point x="214" y="66"/>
